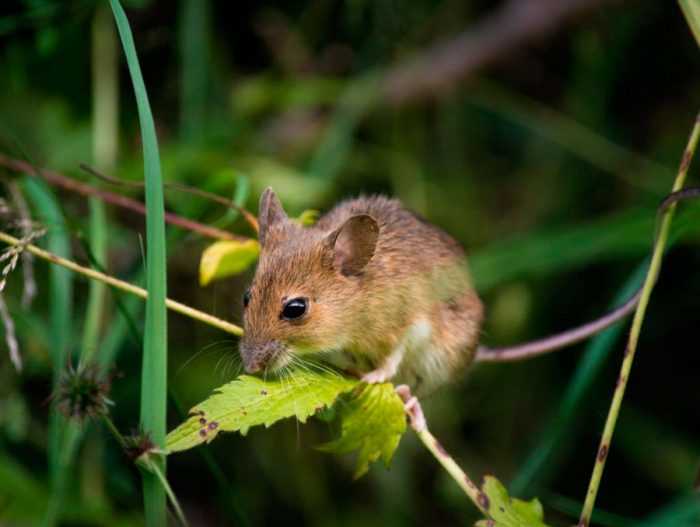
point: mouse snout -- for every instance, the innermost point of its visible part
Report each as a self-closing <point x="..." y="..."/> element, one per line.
<point x="258" y="356"/>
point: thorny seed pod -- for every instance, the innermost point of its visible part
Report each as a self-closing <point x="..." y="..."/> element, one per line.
<point x="138" y="444"/>
<point x="82" y="393"/>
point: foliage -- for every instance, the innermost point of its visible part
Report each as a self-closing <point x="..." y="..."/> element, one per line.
<point x="505" y="511"/>
<point x="547" y="169"/>
<point x="154" y="380"/>
<point x="371" y="417"/>
<point x="226" y="258"/>
<point x="251" y="401"/>
<point x="372" y="422"/>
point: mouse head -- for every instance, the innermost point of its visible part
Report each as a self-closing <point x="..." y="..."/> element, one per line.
<point x="306" y="287"/>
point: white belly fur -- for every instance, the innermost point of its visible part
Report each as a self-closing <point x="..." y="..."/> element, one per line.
<point x="421" y="363"/>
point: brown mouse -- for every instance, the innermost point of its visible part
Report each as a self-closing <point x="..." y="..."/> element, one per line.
<point x="375" y="290"/>
<point x="371" y="288"/>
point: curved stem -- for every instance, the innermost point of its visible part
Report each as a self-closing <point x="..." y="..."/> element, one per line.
<point x="173" y="305"/>
<point x="73" y="185"/>
<point x="453" y="469"/>
<point x="652" y="273"/>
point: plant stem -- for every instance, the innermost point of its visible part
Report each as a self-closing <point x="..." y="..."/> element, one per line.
<point x="453" y="469"/>
<point x="153" y="467"/>
<point x="652" y="273"/>
<point x="115" y="431"/>
<point x="173" y="305"/>
<point x="73" y="185"/>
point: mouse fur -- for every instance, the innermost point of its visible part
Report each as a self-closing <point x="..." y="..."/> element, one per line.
<point x="388" y="295"/>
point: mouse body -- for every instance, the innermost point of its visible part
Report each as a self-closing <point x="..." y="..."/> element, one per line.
<point x="371" y="288"/>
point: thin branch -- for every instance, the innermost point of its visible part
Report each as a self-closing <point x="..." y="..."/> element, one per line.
<point x="249" y="218"/>
<point x="652" y="273"/>
<point x="123" y="286"/>
<point x="498" y="35"/>
<point x="155" y="469"/>
<point x="416" y="418"/>
<point x="118" y="200"/>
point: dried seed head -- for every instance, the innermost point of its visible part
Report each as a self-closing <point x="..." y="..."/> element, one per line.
<point x="82" y="393"/>
<point x="139" y="444"/>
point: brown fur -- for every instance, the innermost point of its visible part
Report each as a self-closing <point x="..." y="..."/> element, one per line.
<point x="373" y="273"/>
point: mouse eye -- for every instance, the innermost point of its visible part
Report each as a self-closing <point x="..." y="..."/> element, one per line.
<point x="246" y="298"/>
<point x="294" y="308"/>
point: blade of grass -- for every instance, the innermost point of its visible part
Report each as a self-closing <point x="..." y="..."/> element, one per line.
<point x="691" y="11"/>
<point x="681" y="512"/>
<point x="355" y="103"/>
<point x="154" y="370"/>
<point x="48" y="212"/>
<point x="105" y="97"/>
<point x="542" y="461"/>
<point x="193" y="46"/>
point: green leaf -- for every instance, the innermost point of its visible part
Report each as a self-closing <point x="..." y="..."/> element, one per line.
<point x="154" y="379"/>
<point x="505" y="511"/>
<point x="372" y="422"/>
<point x="691" y="10"/>
<point x="250" y="401"/>
<point x="308" y="217"/>
<point x="226" y="258"/>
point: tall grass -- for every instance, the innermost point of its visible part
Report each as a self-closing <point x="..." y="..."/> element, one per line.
<point x="155" y="351"/>
<point x="48" y="211"/>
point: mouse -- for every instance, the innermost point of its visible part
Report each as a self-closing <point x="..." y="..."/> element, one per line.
<point x="374" y="290"/>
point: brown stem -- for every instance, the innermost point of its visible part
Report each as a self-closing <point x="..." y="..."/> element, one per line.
<point x="118" y="200"/>
<point x="250" y="218"/>
<point x="508" y="29"/>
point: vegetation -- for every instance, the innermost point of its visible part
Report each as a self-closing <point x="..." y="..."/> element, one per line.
<point x="543" y="139"/>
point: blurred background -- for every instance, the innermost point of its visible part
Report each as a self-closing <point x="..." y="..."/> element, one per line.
<point x="542" y="134"/>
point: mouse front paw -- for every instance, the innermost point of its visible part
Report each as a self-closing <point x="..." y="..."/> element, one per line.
<point x="375" y="377"/>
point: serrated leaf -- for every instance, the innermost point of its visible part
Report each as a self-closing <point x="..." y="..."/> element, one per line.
<point x="505" y="511"/>
<point x="226" y="258"/>
<point x="251" y="401"/>
<point x="691" y="10"/>
<point x="308" y="217"/>
<point x="372" y="423"/>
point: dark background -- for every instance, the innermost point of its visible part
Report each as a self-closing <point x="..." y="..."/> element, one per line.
<point x="546" y="160"/>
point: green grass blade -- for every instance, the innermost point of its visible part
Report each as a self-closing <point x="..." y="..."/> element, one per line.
<point x="540" y="462"/>
<point x="691" y="10"/>
<point x="105" y="97"/>
<point x="682" y="512"/>
<point x="193" y="46"/>
<point x="154" y="372"/>
<point x="48" y="212"/>
<point x="331" y="155"/>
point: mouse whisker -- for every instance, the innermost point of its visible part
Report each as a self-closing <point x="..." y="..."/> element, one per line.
<point x="206" y="350"/>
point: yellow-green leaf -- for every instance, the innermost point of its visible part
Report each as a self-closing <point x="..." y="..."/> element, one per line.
<point x="372" y="422"/>
<point x="226" y="258"/>
<point x="691" y="10"/>
<point x="308" y="217"/>
<point x="251" y="401"/>
<point x="505" y="511"/>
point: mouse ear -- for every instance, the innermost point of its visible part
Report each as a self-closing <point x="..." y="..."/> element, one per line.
<point x="353" y="244"/>
<point x="270" y="212"/>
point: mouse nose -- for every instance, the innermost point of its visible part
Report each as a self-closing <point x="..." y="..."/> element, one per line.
<point x="251" y="367"/>
<point x="257" y="355"/>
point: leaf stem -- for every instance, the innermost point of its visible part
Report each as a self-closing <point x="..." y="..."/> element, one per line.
<point x="453" y="469"/>
<point x="173" y="305"/>
<point x="414" y="412"/>
<point x="652" y="273"/>
<point x="153" y="467"/>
